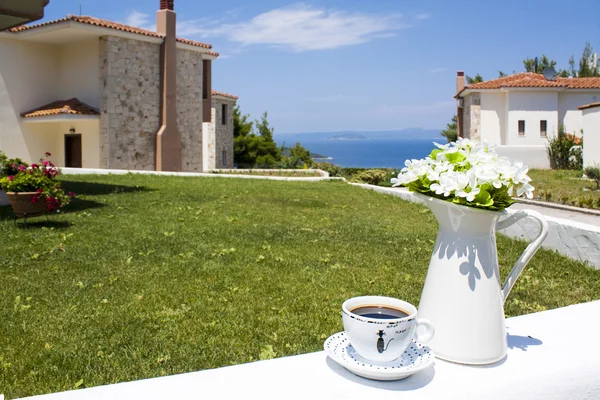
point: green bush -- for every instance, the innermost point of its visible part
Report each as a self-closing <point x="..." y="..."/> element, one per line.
<point x="332" y="169"/>
<point x="565" y="151"/>
<point x="6" y="165"/>
<point x="370" y="176"/>
<point x="594" y="174"/>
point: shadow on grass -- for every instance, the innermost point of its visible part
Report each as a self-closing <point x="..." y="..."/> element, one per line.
<point x="76" y="205"/>
<point x="93" y="188"/>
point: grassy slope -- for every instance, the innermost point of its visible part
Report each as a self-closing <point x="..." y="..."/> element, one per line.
<point x="565" y="187"/>
<point x="147" y="276"/>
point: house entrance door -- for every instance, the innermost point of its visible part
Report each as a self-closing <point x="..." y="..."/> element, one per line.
<point x="73" y="151"/>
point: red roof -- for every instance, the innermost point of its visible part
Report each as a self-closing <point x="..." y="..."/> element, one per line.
<point x="532" y="80"/>
<point x="107" y="24"/>
<point x="215" y="93"/>
<point x="71" y="106"/>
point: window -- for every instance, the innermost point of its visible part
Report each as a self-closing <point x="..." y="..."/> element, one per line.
<point x="224" y="114"/>
<point x="205" y="79"/>
<point x="224" y="159"/>
<point x="543" y="128"/>
<point x="521" y="128"/>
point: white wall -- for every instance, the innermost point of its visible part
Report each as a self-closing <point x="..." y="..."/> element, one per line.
<point x="493" y="117"/>
<point x="32" y="75"/>
<point x="28" y="79"/>
<point x="591" y="143"/>
<point x="535" y="156"/>
<point x="532" y="107"/>
<point x="79" y="65"/>
<point x="568" y="113"/>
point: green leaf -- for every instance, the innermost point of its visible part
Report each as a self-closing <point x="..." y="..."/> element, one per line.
<point x="483" y="199"/>
<point x="455" y="157"/>
<point x="78" y="383"/>
<point x="434" y="153"/>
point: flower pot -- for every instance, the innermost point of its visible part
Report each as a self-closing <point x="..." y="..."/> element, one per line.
<point x="462" y="295"/>
<point x="22" y="205"/>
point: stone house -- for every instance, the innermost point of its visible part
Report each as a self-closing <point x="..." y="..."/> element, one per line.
<point x="521" y="111"/>
<point x="100" y="94"/>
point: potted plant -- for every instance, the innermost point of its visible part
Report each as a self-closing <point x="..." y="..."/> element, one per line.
<point x="33" y="190"/>
<point x="467" y="186"/>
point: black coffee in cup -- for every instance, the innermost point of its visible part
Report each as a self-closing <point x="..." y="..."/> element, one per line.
<point x="379" y="312"/>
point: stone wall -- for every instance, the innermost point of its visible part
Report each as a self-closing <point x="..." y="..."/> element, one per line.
<point x="189" y="109"/>
<point x="472" y="116"/>
<point x="223" y="132"/>
<point x="130" y="103"/>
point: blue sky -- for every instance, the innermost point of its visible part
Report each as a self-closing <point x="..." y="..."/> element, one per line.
<point x="357" y="64"/>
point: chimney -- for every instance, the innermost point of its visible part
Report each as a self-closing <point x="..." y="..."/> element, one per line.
<point x="460" y="85"/>
<point x="168" y="139"/>
<point x="460" y="81"/>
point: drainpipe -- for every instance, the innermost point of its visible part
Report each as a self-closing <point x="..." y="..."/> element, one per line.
<point x="460" y="85"/>
<point x="168" y="139"/>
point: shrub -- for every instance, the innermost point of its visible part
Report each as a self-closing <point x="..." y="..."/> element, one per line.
<point x="41" y="179"/>
<point x="371" y="176"/>
<point x="10" y="166"/>
<point x="565" y="151"/>
<point x="594" y="174"/>
<point x="330" y="168"/>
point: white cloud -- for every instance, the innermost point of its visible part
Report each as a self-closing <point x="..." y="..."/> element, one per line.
<point x="301" y="28"/>
<point x="422" y="16"/>
<point x="140" y="20"/>
<point x="414" y="109"/>
<point x="437" y="70"/>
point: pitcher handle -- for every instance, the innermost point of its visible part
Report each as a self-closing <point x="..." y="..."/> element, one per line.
<point x="529" y="251"/>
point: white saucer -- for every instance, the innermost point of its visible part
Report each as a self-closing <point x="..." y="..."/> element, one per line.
<point x="414" y="359"/>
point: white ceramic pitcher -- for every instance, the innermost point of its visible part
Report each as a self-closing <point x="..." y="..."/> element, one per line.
<point x="462" y="296"/>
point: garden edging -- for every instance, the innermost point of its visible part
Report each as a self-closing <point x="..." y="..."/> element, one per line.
<point x="573" y="239"/>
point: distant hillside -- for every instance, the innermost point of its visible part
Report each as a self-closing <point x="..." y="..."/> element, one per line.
<point x="348" y="136"/>
<point x="409" y="133"/>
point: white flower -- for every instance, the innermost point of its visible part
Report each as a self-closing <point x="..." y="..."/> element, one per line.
<point x="470" y="196"/>
<point x="527" y="189"/>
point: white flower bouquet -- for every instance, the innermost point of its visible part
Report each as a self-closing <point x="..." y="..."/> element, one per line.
<point x="469" y="173"/>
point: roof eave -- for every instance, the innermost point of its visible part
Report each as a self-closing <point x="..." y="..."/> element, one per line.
<point x="64" y="117"/>
<point x="70" y="24"/>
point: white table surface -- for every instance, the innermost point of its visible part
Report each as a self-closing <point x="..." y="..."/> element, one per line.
<point x="552" y="355"/>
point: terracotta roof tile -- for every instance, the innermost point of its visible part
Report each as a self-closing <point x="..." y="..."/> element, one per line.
<point x="215" y="93"/>
<point x="591" y="105"/>
<point x="71" y="106"/>
<point x="531" y="80"/>
<point x="106" y="24"/>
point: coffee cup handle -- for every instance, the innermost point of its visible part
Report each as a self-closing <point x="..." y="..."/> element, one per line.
<point x="429" y="330"/>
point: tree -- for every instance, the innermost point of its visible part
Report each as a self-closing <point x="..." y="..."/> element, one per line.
<point x="586" y="69"/>
<point x="451" y="131"/>
<point x="476" y="79"/>
<point x="241" y="125"/>
<point x="268" y="154"/>
<point x="543" y="63"/>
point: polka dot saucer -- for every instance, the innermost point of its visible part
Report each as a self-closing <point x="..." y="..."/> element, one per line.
<point x="414" y="359"/>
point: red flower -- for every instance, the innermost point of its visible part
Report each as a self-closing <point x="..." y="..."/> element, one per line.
<point x="72" y="195"/>
<point x="47" y="154"/>
<point x="22" y="168"/>
<point x="46" y="163"/>
<point x="34" y="165"/>
<point x="40" y="190"/>
<point x="11" y="177"/>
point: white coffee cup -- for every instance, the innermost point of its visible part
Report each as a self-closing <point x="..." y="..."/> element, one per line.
<point x="381" y="328"/>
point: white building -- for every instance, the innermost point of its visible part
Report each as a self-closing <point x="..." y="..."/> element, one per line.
<point x="591" y="126"/>
<point x="100" y="94"/>
<point x="520" y="112"/>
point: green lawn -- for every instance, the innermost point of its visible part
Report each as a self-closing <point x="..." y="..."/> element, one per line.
<point x="146" y="276"/>
<point x="565" y="187"/>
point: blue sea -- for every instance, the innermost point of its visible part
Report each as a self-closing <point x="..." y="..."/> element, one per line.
<point x="364" y="153"/>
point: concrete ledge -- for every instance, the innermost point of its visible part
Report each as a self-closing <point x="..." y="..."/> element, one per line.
<point x="90" y="171"/>
<point x="321" y="173"/>
<point x="575" y="240"/>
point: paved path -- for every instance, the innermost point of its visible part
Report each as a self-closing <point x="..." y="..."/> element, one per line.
<point x="569" y="215"/>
